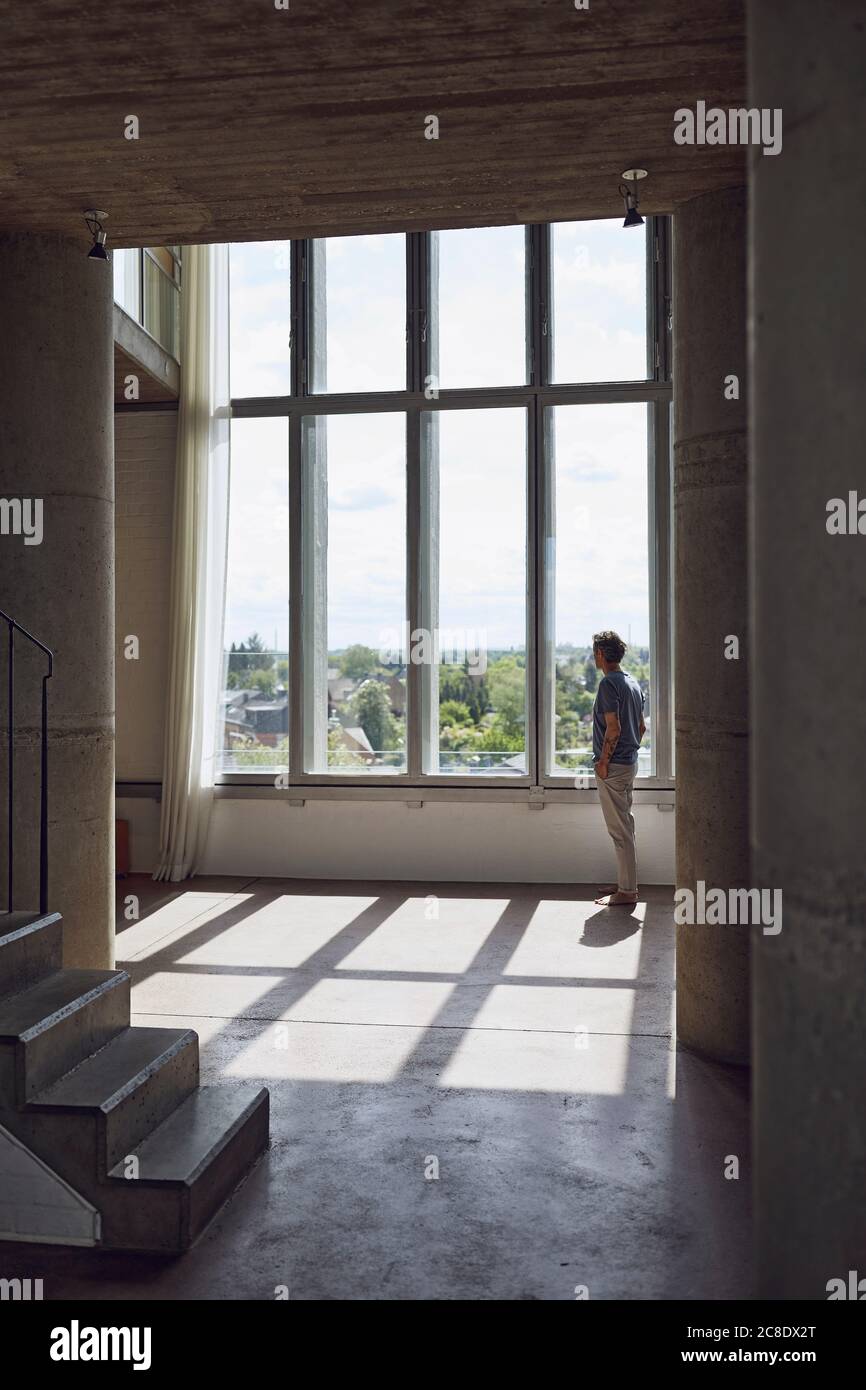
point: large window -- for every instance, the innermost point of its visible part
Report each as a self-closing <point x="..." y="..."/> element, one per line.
<point x="474" y="526"/>
<point x="599" y="551"/>
<point x="255" y="707"/>
<point x="450" y="467"/>
<point x="354" y="495"/>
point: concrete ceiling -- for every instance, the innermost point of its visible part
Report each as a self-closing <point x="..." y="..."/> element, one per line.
<point x="256" y="122"/>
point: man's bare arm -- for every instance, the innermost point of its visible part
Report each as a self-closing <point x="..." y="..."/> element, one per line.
<point x="611" y="739"/>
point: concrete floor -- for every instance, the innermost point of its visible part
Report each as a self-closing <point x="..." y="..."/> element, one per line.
<point x="518" y="1035"/>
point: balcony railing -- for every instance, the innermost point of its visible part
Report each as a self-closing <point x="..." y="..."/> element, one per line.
<point x="12" y="628"/>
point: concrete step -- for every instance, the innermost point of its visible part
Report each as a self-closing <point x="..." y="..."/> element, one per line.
<point x="86" y="1093"/>
<point x="106" y="1106"/>
<point x="186" y="1169"/>
<point x="54" y="1025"/>
<point x="31" y="947"/>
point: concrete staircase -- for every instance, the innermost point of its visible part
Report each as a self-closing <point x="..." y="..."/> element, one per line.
<point x="116" y="1111"/>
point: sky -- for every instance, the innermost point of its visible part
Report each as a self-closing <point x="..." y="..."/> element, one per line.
<point x="600" y="550"/>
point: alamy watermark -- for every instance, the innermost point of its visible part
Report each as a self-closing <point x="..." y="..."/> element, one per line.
<point x="847" y="516"/>
<point x="738" y="126"/>
<point x="854" y="1289"/>
<point x="717" y="907"/>
<point x="20" y="1290"/>
<point x="77" y="1343"/>
<point x="22" y="516"/>
<point x="435" y="647"/>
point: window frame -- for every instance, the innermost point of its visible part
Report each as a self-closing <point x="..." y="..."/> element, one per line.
<point x="535" y="396"/>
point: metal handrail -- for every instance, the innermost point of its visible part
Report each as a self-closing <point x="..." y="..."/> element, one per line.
<point x="14" y="627"/>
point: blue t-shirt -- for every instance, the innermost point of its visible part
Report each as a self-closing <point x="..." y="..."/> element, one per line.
<point x="620" y="693"/>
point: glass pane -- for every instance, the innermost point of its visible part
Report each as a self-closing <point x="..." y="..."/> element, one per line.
<point x="480" y="321"/>
<point x="601" y="564"/>
<point x="161" y="307"/>
<point x="474" y="673"/>
<point x="359" y="314"/>
<point x="260" y="317"/>
<point x="127" y="283"/>
<point x="599" y="301"/>
<point x="255" y="711"/>
<point x="355" y="593"/>
<point x="163" y="257"/>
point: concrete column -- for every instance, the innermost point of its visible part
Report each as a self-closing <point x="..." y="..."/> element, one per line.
<point x="709" y="324"/>
<point x="807" y="276"/>
<point x="57" y="447"/>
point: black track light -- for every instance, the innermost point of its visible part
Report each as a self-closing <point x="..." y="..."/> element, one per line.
<point x="94" y="220"/>
<point x="629" y="193"/>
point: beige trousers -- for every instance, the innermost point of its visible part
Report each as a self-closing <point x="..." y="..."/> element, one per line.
<point x="614" y="793"/>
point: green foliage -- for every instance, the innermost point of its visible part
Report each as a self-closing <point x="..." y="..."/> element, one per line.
<point x="264" y="681"/>
<point x="455" y="683"/>
<point x="253" y="754"/>
<point x="454" y="712"/>
<point x="508" y="696"/>
<point x="248" y="656"/>
<point x="499" y="738"/>
<point x="358" y="661"/>
<point x="371" y="708"/>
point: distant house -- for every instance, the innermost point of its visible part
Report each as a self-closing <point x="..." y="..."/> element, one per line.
<point x="339" y="690"/>
<point x="357" y="742"/>
<point x="268" y="719"/>
<point x="396" y="687"/>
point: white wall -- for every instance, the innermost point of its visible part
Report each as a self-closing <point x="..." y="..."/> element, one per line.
<point x="441" y="841"/>
<point x="144" y="449"/>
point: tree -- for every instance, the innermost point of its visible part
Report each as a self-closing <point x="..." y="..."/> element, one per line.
<point x="590" y="676"/>
<point x="358" y="661"/>
<point x="454" y="712"/>
<point x="508" y="695"/>
<point x="249" y="656"/>
<point x="499" y="739"/>
<point x="265" y="682"/>
<point x="459" y="685"/>
<point x="371" y="708"/>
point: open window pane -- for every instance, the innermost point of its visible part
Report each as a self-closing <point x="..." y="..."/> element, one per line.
<point x="599" y="301"/>
<point x="358" y="309"/>
<point x="479" y="306"/>
<point x="474" y="569"/>
<point x="355" y="593"/>
<point x="255" y="706"/>
<point x="260" y="318"/>
<point x="602" y="578"/>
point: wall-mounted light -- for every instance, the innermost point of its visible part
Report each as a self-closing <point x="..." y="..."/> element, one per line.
<point x="94" y="220"/>
<point x="631" y="198"/>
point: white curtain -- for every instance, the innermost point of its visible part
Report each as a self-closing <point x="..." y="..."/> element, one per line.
<point x="199" y="546"/>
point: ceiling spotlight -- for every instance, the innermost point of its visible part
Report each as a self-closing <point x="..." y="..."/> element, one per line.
<point x="631" y="197"/>
<point x="94" y="220"/>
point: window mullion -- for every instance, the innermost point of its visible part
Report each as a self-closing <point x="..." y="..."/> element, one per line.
<point x="414" y="599"/>
<point x="428" y="320"/>
<point x="298" y="330"/>
<point x="296" y="671"/>
<point x="538" y="301"/>
<point x="412" y="331"/>
<point x="545" y="596"/>
<point x="534" y="615"/>
<point x="661" y="592"/>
